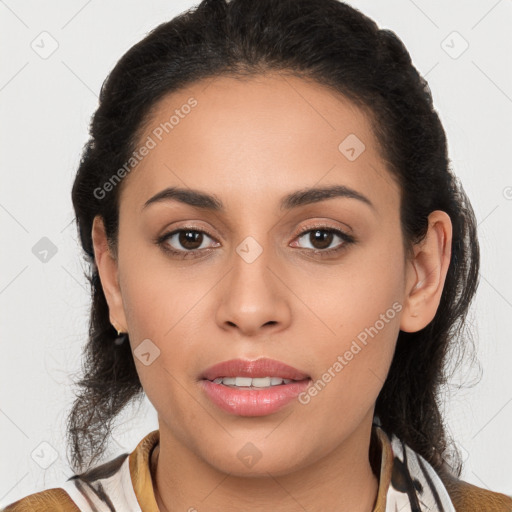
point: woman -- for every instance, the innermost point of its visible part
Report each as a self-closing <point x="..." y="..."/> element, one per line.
<point x="281" y="260"/>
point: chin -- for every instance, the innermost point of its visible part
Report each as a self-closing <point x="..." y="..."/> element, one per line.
<point x="250" y="461"/>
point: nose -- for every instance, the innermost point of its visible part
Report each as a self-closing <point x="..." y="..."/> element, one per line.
<point x="252" y="298"/>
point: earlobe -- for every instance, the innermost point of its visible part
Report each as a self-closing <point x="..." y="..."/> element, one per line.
<point x="107" y="267"/>
<point x="427" y="273"/>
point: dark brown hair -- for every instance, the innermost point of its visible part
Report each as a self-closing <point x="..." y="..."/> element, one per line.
<point x="337" y="46"/>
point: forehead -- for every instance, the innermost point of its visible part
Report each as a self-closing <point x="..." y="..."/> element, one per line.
<point x="266" y="135"/>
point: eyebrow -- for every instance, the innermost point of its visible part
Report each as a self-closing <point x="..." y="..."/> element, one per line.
<point x="294" y="200"/>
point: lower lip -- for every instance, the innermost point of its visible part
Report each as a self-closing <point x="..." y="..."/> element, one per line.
<point x="253" y="402"/>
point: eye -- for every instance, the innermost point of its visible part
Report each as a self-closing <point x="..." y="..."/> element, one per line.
<point x="185" y="242"/>
<point x="190" y="242"/>
<point x="322" y="237"/>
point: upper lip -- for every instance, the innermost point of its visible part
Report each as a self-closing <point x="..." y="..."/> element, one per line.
<point x="262" y="367"/>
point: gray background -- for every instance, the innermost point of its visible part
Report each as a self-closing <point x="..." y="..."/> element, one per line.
<point x="46" y="102"/>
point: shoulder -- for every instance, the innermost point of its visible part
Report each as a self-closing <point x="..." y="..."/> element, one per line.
<point x="97" y="486"/>
<point x="471" y="498"/>
<point x="434" y="486"/>
<point x="56" y="500"/>
<point x="91" y="490"/>
<point x="117" y="484"/>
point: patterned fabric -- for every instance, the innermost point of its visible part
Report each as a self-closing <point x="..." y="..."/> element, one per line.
<point x="108" y="488"/>
<point x="415" y="486"/>
<point x="407" y="483"/>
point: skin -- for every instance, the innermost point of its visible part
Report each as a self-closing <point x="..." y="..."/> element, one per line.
<point x="249" y="143"/>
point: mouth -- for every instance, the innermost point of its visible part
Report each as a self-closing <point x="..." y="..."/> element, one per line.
<point x="253" y="388"/>
<point x="253" y="383"/>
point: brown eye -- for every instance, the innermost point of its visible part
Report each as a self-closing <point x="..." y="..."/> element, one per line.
<point x="321" y="239"/>
<point x="185" y="241"/>
<point x="190" y="239"/>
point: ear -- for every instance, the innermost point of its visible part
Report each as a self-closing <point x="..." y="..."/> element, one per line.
<point x="108" y="272"/>
<point x="426" y="273"/>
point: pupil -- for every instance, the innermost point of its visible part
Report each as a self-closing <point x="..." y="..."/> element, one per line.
<point x="188" y="239"/>
<point x="324" y="237"/>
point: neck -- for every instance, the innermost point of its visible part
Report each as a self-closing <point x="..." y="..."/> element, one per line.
<point x="342" y="480"/>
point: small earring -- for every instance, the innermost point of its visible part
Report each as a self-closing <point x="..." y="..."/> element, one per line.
<point x="121" y="336"/>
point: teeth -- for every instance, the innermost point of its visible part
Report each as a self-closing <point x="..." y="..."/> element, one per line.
<point x="263" y="382"/>
<point x="243" y="381"/>
<point x="259" y="382"/>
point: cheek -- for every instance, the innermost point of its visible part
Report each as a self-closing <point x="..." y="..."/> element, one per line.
<point x="362" y="308"/>
<point x="354" y="295"/>
<point x="165" y="306"/>
<point x="159" y="309"/>
<point x="159" y="298"/>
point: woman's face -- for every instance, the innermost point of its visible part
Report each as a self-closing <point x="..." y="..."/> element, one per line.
<point x="313" y="280"/>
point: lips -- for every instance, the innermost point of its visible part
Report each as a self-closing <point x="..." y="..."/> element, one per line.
<point x="244" y="400"/>
<point x="258" y="368"/>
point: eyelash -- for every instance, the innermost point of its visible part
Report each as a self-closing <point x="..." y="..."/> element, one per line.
<point x="184" y="254"/>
